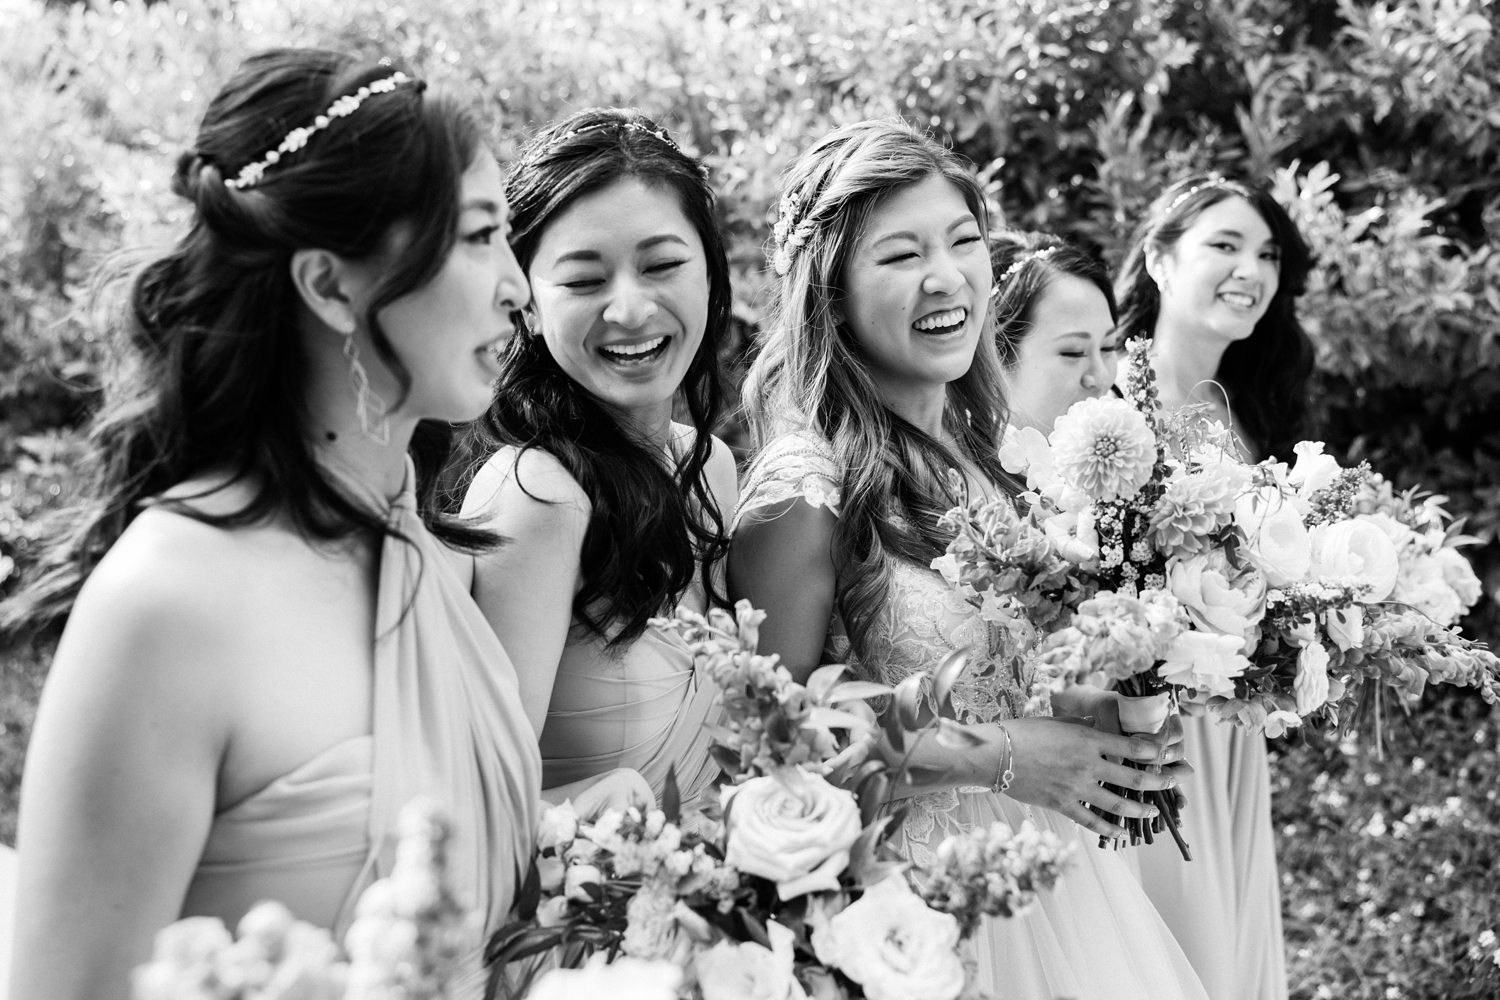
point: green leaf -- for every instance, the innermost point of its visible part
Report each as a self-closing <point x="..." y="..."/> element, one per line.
<point x="857" y="690"/>
<point x="957" y="737"/>
<point x="946" y="675"/>
<point x="671" y="796"/>
<point x="823" y="681"/>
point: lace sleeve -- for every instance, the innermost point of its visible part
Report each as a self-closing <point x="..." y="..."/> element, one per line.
<point x="800" y="464"/>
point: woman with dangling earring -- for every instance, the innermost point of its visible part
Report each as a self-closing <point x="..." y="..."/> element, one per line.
<point x="878" y="375"/>
<point x="270" y="647"/>
<point x="614" y="512"/>
<point x="1212" y="279"/>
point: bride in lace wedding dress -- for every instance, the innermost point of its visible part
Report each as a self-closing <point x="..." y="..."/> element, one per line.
<point x="875" y="380"/>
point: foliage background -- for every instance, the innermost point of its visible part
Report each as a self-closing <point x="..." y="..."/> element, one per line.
<point x="1377" y="123"/>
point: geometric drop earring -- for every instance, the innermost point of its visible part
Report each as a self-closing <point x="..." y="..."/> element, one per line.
<point x="368" y="405"/>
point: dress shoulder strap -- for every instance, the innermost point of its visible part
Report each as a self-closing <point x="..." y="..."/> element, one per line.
<point x="798" y="464"/>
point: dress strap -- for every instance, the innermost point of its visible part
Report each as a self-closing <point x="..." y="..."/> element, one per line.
<point x="799" y="464"/>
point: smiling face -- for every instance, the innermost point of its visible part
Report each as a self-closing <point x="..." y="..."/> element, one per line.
<point x="1218" y="279"/>
<point x="448" y="332"/>
<point x="621" y="296"/>
<point x="915" y="288"/>
<point x="1070" y="353"/>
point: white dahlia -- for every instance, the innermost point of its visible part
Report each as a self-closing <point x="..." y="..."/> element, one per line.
<point x="1104" y="447"/>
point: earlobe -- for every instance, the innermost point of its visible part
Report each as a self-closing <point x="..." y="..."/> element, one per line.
<point x="321" y="278"/>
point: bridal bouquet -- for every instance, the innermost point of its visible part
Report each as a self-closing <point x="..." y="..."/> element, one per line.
<point x="1147" y="552"/>
<point x="406" y="943"/>
<point x="786" y="887"/>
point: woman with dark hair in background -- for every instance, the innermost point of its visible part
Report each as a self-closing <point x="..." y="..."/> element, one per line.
<point x="1053" y="310"/>
<point x="1212" y="278"/>
<point x="616" y="512"/>
<point x="270" y="647"/>
<point x="877" y="377"/>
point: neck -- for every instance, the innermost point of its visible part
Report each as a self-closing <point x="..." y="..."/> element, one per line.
<point x="1185" y="361"/>
<point x="651" y="425"/>
<point x="372" y="470"/>
<point x="922" y="406"/>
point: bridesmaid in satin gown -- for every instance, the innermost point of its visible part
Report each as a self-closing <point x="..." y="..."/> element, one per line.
<point x="270" y="646"/>
<point x="877" y="377"/>
<point x="613" y="512"/>
<point x="1212" y="278"/>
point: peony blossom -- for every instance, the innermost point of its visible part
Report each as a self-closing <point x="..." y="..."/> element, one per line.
<point x="1276" y="540"/>
<point x="1104" y="447"/>
<point x="793" y="828"/>
<point x="1314" y="470"/>
<point x="1205" y="661"/>
<point x="892" y="944"/>
<point x="624" y="979"/>
<point x="1441" y="585"/>
<point x="747" y="971"/>
<point x="1218" y="597"/>
<point x="1356" y="550"/>
<point x="1311" y="685"/>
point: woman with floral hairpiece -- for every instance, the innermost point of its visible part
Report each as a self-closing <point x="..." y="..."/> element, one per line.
<point x="875" y="379"/>
<point x="614" y="512"/>
<point x="1212" y="279"/>
<point x="270" y="646"/>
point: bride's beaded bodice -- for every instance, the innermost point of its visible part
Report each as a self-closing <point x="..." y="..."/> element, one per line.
<point x="924" y="618"/>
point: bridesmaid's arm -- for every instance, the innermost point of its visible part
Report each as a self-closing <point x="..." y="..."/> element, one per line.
<point x="781" y="561"/>
<point x="119" y="788"/>
<point x="525" y="587"/>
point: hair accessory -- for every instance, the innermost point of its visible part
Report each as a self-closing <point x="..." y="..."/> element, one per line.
<point x="297" y="138"/>
<point x="1020" y="262"/>
<point x="788" y="235"/>
<point x="1214" y="181"/>
<point x="555" y="141"/>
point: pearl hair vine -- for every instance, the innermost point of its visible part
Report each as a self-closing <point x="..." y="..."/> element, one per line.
<point x="297" y="138"/>
<point x="1020" y="262"/>
<point x="790" y="234"/>
<point x="557" y="140"/>
<point x="1223" y="183"/>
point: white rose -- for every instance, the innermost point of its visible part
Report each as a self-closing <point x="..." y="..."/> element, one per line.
<point x="1277" y="541"/>
<point x="1421" y="585"/>
<point x="1314" y="470"/>
<point x="558" y="827"/>
<point x="794" y="829"/>
<point x="552" y="911"/>
<point x="1311" y="684"/>
<point x="624" y="979"/>
<point x="578" y="877"/>
<point x="747" y="971"/>
<point x="652" y="929"/>
<point x="893" y="945"/>
<point x="1356" y="550"/>
<point x="1205" y="661"/>
<point x="1279" y="721"/>
<point x="1400" y="535"/>
<point x="1459" y="574"/>
<point x="1218" y="597"/>
<point x="1346" y="626"/>
<point x="1145" y="714"/>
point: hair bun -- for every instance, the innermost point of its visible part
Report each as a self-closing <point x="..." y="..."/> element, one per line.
<point x="195" y="173"/>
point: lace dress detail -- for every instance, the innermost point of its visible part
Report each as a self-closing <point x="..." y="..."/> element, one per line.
<point x="923" y="621"/>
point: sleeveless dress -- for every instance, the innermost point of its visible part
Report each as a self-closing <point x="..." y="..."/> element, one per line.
<point x="642" y="707"/>
<point x="1095" y="936"/>
<point x="447" y="723"/>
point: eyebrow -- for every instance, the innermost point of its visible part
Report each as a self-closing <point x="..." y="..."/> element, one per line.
<point x="589" y="256"/>
<point x="1239" y="235"/>
<point x="907" y="234"/>
<point x="480" y="205"/>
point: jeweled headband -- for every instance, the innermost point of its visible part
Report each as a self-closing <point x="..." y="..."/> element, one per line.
<point x="541" y="149"/>
<point x="1020" y="262"/>
<point x="296" y="139"/>
<point x="1213" y="182"/>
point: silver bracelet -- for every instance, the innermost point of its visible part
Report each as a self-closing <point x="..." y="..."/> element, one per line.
<point x="1004" y="773"/>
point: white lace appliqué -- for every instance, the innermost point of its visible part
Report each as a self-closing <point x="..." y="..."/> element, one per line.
<point x="923" y="621"/>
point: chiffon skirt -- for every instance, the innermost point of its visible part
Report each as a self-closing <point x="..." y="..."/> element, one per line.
<point x="1224" y="906"/>
<point x="7" y="915"/>
<point x="1094" y="936"/>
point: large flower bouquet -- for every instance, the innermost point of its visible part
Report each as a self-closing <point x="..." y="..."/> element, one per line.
<point x="407" y="942"/>
<point x="786" y="886"/>
<point x="1145" y="552"/>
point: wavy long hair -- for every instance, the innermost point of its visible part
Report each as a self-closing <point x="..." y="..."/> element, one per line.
<point x="1013" y="302"/>
<point x="212" y="372"/>
<point x="1265" y="375"/>
<point x="652" y="529"/>
<point x="811" y="372"/>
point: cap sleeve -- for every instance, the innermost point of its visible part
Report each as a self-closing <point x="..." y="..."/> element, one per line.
<point x="800" y="464"/>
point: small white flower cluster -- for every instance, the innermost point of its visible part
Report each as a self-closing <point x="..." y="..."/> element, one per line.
<point x="407" y="942"/>
<point x="994" y="871"/>
<point x="789" y="235"/>
<point x="297" y="138"/>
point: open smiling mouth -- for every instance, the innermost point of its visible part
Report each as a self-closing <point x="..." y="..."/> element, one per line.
<point x="948" y="321"/>
<point x="630" y="355"/>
